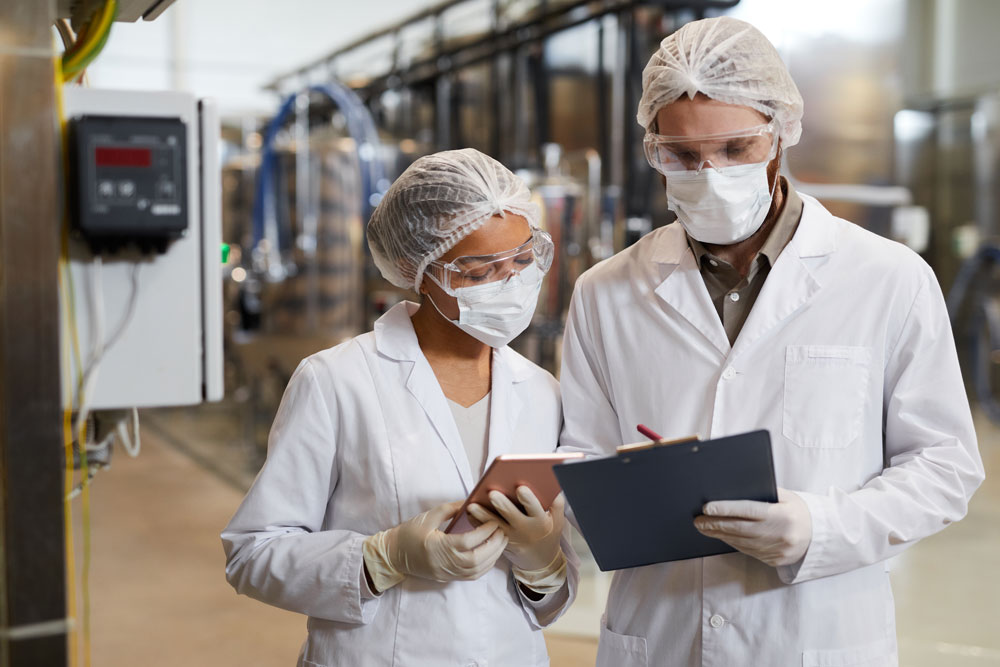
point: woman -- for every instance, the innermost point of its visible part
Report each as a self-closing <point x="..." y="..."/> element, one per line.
<point x="378" y="440"/>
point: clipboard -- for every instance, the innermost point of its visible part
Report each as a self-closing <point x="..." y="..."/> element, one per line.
<point x="638" y="507"/>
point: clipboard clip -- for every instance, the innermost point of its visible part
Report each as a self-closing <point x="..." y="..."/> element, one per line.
<point x="662" y="442"/>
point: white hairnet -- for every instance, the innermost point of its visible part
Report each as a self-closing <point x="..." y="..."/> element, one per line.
<point x="439" y="200"/>
<point x="728" y="60"/>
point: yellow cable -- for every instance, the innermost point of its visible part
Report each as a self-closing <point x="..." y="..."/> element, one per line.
<point x="87" y="37"/>
<point x="85" y="578"/>
<point x="95" y="35"/>
<point x="68" y="522"/>
<point x="91" y="41"/>
<point x="67" y="416"/>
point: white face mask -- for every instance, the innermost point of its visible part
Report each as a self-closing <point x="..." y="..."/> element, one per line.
<point x="721" y="206"/>
<point x="499" y="319"/>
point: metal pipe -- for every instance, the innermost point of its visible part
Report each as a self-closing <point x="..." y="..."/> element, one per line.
<point x="617" y="155"/>
<point x="33" y="624"/>
<point x="327" y="59"/>
<point x="532" y="30"/>
<point x="307" y="214"/>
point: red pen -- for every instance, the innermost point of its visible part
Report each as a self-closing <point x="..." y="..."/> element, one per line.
<point x="648" y="432"/>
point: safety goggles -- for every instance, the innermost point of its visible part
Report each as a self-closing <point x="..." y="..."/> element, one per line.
<point x="490" y="274"/>
<point x="753" y="145"/>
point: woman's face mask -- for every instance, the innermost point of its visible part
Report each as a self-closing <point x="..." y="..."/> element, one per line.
<point x="496" y="295"/>
<point x="502" y="316"/>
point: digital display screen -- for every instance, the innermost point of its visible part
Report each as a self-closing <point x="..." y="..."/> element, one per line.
<point x="115" y="156"/>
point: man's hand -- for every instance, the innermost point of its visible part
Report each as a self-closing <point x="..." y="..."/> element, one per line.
<point x="775" y="533"/>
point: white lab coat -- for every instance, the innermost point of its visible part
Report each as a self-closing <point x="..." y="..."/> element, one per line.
<point x="364" y="439"/>
<point x="847" y="358"/>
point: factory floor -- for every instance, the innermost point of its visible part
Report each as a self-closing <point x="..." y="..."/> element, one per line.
<point x="158" y="596"/>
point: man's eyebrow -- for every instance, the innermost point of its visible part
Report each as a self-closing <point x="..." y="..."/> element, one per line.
<point x="688" y="147"/>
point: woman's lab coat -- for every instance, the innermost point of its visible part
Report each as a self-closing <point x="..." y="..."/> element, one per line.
<point x="847" y="358"/>
<point x="364" y="439"/>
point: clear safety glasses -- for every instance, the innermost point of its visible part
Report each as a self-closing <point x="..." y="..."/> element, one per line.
<point x="750" y="146"/>
<point x="490" y="274"/>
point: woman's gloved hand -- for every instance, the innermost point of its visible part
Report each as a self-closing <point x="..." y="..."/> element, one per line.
<point x="533" y="535"/>
<point x="419" y="548"/>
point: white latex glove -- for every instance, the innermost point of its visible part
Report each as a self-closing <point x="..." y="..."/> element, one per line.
<point x="533" y="535"/>
<point x="419" y="548"/>
<point x="775" y="533"/>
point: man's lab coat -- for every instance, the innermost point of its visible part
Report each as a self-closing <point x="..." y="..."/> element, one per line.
<point x="847" y="358"/>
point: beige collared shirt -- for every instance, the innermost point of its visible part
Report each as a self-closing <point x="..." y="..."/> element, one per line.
<point x="732" y="294"/>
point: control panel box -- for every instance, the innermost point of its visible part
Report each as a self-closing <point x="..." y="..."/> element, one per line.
<point x="129" y="180"/>
<point x="148" y="324"/>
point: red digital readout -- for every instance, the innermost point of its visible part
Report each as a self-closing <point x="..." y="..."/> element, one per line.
<point x="112" y="156"/>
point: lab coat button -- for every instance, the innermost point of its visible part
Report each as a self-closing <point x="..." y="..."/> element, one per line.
<point x="716" y="621"/>
<point x="729" y="373"/>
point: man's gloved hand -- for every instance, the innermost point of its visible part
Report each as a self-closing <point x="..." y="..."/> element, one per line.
<point x="419" y="548"/>
<point x="775" y="533"/>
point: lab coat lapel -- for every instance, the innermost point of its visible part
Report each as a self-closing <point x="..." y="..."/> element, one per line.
<point x="395" y="338"/>
<point x="424" y="386"/>
<point x="505" y="403"/>
<point x="684" y="289"/>
<point x="792" y="282"/>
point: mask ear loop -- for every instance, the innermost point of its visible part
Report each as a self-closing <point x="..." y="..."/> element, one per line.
<point x="431" y="299"/>
<point x="430" y="275"/>
<point x="777" y="174"/>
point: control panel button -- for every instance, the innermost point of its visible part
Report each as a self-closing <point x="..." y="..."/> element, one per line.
<point x="165" y="190"/>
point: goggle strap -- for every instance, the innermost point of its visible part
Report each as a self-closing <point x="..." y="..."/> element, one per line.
<point x="437" y="282"/>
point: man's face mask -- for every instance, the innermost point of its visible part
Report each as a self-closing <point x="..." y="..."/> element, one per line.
<point x="717" y="184"/>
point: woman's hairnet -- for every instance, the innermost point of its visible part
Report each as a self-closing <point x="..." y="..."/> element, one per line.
<point x="439" y="200"/>
<point x="728" y="60"/>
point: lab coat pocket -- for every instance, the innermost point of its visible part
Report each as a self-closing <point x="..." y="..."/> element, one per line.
<point x="876" y="654"/>
<point x="824" y="395"/>
<point x="615" y="650"/>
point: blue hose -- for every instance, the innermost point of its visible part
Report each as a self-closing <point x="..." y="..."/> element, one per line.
<point x="361" y="128"/>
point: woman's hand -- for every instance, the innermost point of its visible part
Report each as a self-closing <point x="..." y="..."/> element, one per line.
<point x="533" y="534"/>
<point x="419" y="548"/>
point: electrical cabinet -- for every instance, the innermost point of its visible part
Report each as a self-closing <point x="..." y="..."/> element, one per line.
<point x="145" y="248"/>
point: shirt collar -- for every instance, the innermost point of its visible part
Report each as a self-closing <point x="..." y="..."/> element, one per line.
<point x="782" y="232"/>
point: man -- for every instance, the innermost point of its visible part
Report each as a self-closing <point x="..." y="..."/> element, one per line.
<point x="759" y="309"/>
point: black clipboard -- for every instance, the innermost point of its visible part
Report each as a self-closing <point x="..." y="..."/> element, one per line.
<point x="638" y="507"/>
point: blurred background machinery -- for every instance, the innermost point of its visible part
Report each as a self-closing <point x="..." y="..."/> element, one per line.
<point x="901" y="136"/>
<point x="549" y="87"/>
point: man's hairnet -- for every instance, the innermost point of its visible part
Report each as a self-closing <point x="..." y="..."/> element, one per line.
<point x="728" y="60"/>
<point x="439" y="200"/>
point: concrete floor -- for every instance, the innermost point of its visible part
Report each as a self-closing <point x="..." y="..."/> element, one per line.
<point x="159" y="597"/>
